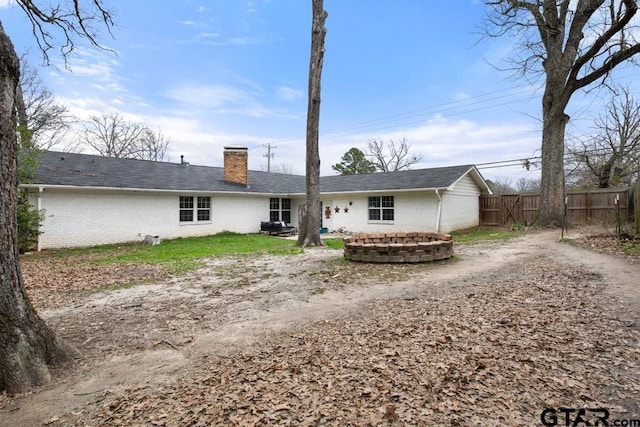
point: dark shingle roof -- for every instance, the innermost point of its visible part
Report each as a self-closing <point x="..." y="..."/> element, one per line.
<point x="82" y="170"/>
<point x="401" y="180"/>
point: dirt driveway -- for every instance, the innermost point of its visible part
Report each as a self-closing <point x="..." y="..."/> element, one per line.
<point x="495" y="336"/>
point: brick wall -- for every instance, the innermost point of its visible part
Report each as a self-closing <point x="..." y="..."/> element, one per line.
<point x="398" y="247"/>
<point x="91" y="217"/>
<point x="235" y="165"/>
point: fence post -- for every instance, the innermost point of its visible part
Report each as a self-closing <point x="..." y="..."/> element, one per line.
<point x="636" y="207"/>
<point x="564" y="219"/>
<point x="617" y="213"/>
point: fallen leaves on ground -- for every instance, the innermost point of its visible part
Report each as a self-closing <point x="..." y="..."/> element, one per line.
<point x="53" y="282"/>
<point x="611" y="244"/>
<point x="496" y="349"/>
<point x="484" y="355"/>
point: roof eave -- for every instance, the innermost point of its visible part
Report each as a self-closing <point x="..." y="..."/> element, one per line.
<point x="413" y="190"/>
<point x="150" y="190"/>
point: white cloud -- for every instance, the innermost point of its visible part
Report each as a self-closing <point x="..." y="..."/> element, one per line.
<point x="201" y="146"/>
<point x="222" y="99"/>
<point x="98" y="70"/>
<point x="288" y="93"/>
<point x="443" y="142"/>
<point x="85" y="107"/>
<point x="209" y="96"/>
<point x="208" y="35"/>
<point x="234" y="41"/>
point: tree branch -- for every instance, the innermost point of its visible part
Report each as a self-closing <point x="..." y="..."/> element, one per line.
<point x="69" y="19"/>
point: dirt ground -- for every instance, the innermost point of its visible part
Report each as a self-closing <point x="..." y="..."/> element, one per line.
<point x="493" y="336"/>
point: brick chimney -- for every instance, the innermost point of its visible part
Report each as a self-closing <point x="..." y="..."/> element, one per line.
<point x="236" y="167"/>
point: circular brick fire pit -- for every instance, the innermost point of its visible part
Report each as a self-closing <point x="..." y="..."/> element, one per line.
<point x="398" y="247"/>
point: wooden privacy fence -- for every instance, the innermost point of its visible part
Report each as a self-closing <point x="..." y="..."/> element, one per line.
<point x="598" y="207"/>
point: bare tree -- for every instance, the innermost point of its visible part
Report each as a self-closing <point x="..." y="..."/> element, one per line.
<point x="152" y="146"/>
<point x="285" y="168"/>
<point x="392" y="156"/>
<point x="501" y="185"/>
<point x="113" y="136"/>
<point x="310" y="215"/>
<point x="613" y="155"/>
<point x="56" y="26"/>
<point x="526" y="185"/>
<point x="572" y="45"/>
<point x="29" y="347"/>
<point x="47" y="121"/>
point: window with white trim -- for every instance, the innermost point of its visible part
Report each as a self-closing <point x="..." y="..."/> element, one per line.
<point x="204" y="208"/>
<point x="381" y="208"/>
<point x="195" y="209"/>
<point x="280" y="209"/>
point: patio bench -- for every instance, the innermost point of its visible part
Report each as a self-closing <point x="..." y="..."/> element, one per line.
<point x="277" y="228"/>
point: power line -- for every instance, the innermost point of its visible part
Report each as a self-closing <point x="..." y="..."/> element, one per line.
<point x="533" y="160"/>
<point x="456" y="107"/>
<point x="438" y="108"/>
<point x="466" y="105"/>
<point x="417" y="115"/>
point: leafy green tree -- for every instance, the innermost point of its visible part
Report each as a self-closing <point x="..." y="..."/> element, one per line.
<point x="29" y="219"/>
<point x="354" y="162"/>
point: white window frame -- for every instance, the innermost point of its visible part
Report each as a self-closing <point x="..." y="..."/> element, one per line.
<point x="197" y="206"/>
<point x="279" y="209"/>
<point x="385" y="205"/>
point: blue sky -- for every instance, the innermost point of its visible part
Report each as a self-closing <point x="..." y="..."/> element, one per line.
<point x="220" y="72"/>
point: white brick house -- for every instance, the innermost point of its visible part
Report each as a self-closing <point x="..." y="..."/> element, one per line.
<point x="92" y="200"/>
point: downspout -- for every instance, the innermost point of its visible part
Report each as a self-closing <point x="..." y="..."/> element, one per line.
<point x="439" y="211"/>
<point x="39" y="208"/>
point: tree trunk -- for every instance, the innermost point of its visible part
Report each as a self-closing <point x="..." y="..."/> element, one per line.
<point x="28" y="348"/>
<point x="310" y="220"/>
<point x="554" y="122"/>
<point x="551" y="210"/>
<point x="606" y="176"/>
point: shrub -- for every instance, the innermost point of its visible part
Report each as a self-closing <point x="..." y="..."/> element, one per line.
<point x="29" y="221"/>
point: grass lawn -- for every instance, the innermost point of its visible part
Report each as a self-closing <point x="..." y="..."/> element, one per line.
<point x="184" y="254"/>
<point x="483" y="234"/>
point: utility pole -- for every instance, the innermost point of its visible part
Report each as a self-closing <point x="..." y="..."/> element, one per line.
<point x="269" y="154"/>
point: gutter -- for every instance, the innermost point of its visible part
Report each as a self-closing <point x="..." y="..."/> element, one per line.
<point x="383" y="191"/>
<point x="223" y="192"/>
<point x="39" y="209"/>
<point x="439" y="210"/>
<point x="154" y="190"/>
